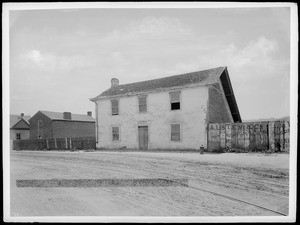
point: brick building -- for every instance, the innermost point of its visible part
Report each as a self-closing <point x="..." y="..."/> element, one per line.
<point x="47" y="124"/>
<point x="166" y="113"/>
<point x="19" y="127"/>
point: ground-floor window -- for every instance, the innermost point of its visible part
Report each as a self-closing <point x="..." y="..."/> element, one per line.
<point x="115" y="133"/>
<point x="175" y="132"/>
<point x="18" y="136"/>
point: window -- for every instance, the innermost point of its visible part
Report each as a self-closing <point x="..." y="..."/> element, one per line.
<point x="18" y="136"/>
<point x="40" y="125"/>
<point x="175" y="132"/>
<point x="175" y="100"/>
<point x="115" y="134"/>
<point x="143" y="104"/>
<point x="115" y="107"/>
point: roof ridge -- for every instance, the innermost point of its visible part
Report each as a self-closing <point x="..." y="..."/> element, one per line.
<point x="62" y="112"/>
<point x="186" y="73"/>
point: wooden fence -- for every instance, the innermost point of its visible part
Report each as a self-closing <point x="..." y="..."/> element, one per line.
<point x="67" y="143"/>
<point x="249" y="136"/>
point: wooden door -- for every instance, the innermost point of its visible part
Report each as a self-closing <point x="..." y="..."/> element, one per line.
<point x="143" y="137"/>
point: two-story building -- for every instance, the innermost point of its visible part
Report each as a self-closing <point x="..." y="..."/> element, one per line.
<point x="167" y="113"/>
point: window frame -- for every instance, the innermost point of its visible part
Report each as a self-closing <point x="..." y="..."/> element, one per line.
<point x="40" y="125"/>
<point x="18" y="136"/>
<point x="170" y="96"/>
<point x="118" y="107"/>
<point x="112" y="133"/>
<point x="180" y="132"/>
<point x="146" y="101"/>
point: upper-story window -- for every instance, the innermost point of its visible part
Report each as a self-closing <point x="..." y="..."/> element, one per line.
<point x="115" y="107"/>
<point x="142" y="104"/>
<point x="175" y="100"/>
<point x="40" y="125"/>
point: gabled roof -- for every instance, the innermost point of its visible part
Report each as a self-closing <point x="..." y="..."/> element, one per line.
<point x="15" y="119"/>
<point x="204" y="77"/>
<point x="201" y="77"/>
<point x="74" y="117"/>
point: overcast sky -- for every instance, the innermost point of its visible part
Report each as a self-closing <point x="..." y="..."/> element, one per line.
<point x="61" y="58"/>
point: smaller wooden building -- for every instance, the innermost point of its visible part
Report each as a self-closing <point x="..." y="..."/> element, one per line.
<point x="19" y="127"/>
<point x="48" y="124"/>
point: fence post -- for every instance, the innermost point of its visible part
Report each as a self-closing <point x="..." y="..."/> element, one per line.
<point x="55" y="143"/>
<point x="228" y="137"/>
<point x="66" y="141"/>
<point x="47" y="143"/>
<point x="287" y="136"/>
<point x="271" y="136"/>
<point x="70" y="142"/>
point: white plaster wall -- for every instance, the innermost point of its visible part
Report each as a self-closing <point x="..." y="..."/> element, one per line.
<point x="191" y="116"/>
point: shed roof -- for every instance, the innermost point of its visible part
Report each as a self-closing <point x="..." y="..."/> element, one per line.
<point x="74" y="117"/>
<point x="200" y="77"/>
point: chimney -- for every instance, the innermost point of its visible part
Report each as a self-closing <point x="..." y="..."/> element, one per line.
<point x="114" y="82"/>
<point x="89" y="113"/>
<point x="67" y="115"/>
<point x="22" y="114"/>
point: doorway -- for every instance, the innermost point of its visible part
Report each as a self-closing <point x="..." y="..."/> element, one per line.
<point x="143" y="137"/>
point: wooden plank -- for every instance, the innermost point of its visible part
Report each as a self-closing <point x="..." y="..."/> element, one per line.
<point x="252" y="144"/>
<point x="271" y="132"/>
<point x="222" y="136"/>
<point x="277" y="143"/>
<point x="228" y="137"/>
<point x="286" y="135"/>
<point x="240" y="136"/>
<point x="213" y="137"/>
<point x="234" y="136"/>
<point x="281" y="136"/>
<point x="247" y="137"/>
<point x="256" y="132"/>
<point x="264" y="136"/>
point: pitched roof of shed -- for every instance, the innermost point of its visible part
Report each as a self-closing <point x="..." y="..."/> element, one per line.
<point x="14" y="119"/>
<point x="74" y="117"/>
<point x="200" y="77"/>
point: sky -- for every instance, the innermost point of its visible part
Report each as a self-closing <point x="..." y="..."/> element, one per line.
<point x="60" y="58"/>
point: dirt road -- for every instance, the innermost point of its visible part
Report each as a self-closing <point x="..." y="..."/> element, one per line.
<point x="218" y="184"/>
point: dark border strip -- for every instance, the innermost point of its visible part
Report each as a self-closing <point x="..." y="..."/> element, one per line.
<point x="93" y="183"/>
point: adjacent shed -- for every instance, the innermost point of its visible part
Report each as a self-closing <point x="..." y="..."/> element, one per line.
<point x="48" y="124"/>
<point x="19" y="127"/>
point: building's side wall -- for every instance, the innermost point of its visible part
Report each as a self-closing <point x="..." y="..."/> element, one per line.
<point x="25" y="134"/>
<point x="45" y="132"/>
<point x="218" y="109"/>
<point x="61" y="129"/>
<point x="159" y="117"/>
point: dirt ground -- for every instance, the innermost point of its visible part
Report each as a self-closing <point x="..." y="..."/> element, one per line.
<point x="225" y="184"/>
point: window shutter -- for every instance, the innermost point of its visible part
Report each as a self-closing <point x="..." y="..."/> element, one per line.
<point x="175" y="96"/>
